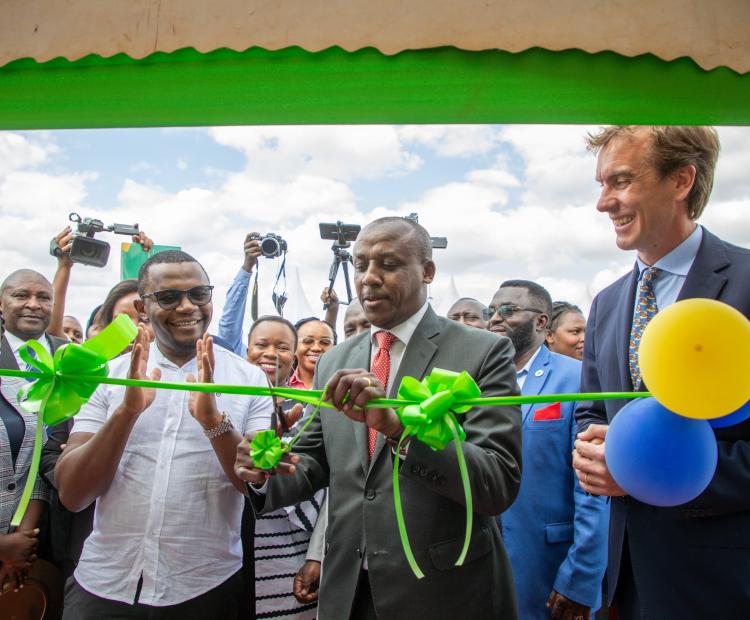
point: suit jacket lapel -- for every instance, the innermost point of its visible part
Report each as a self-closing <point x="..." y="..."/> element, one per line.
<point x="7" y="358"/>
<point x="415" y="361"/>
<point x="703" y="279"/>
<point x="624" y="318"/>
<point x="538" y="373"/>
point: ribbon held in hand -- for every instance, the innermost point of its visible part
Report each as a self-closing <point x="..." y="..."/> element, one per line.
<point x="57" y="394"/>
<point x="433" y="422"/>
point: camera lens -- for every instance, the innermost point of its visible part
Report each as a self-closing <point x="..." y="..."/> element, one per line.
<point x="270" y="247"/>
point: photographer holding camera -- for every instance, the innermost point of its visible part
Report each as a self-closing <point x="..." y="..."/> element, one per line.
<point x="256" y="245"/>
<point x="60" y="247"/>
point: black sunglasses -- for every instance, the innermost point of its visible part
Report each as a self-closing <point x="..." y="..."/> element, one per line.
<point x="506" y="311"/>
<point x="170" y="298"/>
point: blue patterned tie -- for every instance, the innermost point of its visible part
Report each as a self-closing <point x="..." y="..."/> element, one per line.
<point x="29" y="367"/>
<point x="645" y="310"/>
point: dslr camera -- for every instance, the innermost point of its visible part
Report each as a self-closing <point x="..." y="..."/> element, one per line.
<point x="87" y="250"/>
<point x="272" y="245"/>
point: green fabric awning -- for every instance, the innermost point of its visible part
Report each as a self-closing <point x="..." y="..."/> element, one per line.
<point x="441" y="85"/>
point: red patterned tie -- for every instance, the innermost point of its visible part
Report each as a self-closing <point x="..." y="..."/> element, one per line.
<point x="381" y="368"/>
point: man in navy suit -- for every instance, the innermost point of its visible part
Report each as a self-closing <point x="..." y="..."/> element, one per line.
<point x="556" y="534"/>
<point x="689" y="561"/>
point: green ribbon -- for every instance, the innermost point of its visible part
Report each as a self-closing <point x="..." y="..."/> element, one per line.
<point x="434" y="423"/>
<point x="267" y="450"/>
<point x="58" y="393"/>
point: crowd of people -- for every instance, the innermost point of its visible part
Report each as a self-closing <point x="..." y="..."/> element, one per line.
<point x="150" y="506"/>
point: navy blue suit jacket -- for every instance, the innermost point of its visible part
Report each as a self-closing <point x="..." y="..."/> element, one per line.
<point x="689" y="561"/>
<point x="555" y="534"/>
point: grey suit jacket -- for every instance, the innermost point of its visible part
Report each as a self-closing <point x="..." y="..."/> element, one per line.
<point x="333" y="452"/>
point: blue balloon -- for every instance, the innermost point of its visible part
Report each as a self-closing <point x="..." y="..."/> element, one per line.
<point x="659" y="457"/>
<point x="742" y="414"/>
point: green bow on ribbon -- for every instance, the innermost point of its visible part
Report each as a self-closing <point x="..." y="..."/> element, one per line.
<point x="266" y="449"/>
<point x="433" y="422"/>
<point x="57" y="395"/>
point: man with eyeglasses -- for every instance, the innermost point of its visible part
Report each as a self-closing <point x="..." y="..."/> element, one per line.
<point x="159" y="463"/>
<point x="555" y="533"/>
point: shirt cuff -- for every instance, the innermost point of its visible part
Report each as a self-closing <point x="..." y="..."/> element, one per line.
<point x="262" y="490"/>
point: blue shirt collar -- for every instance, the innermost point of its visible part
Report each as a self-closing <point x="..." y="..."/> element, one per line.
<point x="680" y="260"/>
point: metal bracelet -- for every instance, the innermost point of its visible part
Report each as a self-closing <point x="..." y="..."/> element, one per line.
<point x="223" y="427"/>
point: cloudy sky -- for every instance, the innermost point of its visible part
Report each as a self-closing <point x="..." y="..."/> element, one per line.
<point x="513" y="201"/>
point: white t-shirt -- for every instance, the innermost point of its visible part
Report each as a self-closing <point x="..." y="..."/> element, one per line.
<point x="170" y="515"/>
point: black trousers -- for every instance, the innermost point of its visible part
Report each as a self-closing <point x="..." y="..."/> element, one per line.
<point x="225" y="601"/>
<point x="626" y="601"/>
<point x="363" y="608"/>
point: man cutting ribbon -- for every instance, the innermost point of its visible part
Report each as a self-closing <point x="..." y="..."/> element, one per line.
<point x="365" y="570"/>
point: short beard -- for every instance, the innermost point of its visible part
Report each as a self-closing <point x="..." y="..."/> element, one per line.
<point x="522" y="337"/>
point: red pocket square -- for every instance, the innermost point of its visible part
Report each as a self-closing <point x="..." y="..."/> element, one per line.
<point x="550" y="412"/>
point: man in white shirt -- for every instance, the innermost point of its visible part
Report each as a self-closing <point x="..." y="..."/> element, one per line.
<point x="366" y="573"/>
<point x="159" y="463"/>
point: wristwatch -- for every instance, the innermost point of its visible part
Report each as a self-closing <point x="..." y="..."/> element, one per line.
<point x="222" y="427"/>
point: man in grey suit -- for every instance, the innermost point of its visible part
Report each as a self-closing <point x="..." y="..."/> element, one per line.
<point x="366" y="574"/>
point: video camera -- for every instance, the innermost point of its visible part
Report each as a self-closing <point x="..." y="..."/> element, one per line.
<point x="87" y="250"/>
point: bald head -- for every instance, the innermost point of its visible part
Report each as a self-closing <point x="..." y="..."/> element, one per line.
<point x="411" y="233"/>
<point x="26" y="303"/>
<point x="468" y="311"/>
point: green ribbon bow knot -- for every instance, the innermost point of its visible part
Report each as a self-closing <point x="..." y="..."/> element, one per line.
<point x="429" y="419"/>
<point x="432" y="420"/>
<point x="58" y="394"/>
<point x="266" y="449"/>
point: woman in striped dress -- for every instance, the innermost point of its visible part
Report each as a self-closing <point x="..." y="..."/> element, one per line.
<point x="282" y="536"/>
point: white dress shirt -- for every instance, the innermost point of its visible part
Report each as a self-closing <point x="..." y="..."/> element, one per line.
<point x="170" y="515"/>
<point x="524" y="372"/>
<point x="11" y="385"/>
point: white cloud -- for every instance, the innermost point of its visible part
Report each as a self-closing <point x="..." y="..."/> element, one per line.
<point x="182" y="164"/>
<point x="452" y="140"/>
<point x="338" y="152"/>
<point x="296" y="177"/>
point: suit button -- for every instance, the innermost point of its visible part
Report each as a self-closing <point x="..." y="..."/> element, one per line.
<point x="12" y="486"/>
<point x="370" y="494"/>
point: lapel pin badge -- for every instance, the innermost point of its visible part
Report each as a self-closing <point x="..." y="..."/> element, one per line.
<point x="539" y="373"/>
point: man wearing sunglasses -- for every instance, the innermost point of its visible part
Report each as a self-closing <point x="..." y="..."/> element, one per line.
<point x="556" y="534"/>
<point x="159" y="463"/>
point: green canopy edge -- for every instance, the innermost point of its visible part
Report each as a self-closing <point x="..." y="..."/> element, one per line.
<point x="440" y="85"/>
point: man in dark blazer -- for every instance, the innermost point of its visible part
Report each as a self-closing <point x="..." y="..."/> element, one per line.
<point x="365" y="571"/>
<point x="690" y="561"/>
<point x="26" y="303"/>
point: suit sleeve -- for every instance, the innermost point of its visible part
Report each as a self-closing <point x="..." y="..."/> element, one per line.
<point x="579" y="577"/>
<point x="492" y="448"/>
<point x="590" y="411"/>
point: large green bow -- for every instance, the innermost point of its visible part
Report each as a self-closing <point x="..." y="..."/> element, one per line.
<point x="433" y="422"/>
<point x="57" y="394"/>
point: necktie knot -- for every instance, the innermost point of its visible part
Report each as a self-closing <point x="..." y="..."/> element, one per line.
<point x="649" y="275"/>
<point x="385" y="340"/>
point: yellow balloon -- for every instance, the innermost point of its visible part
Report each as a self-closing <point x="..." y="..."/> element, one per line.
<point x="695" y="358"/>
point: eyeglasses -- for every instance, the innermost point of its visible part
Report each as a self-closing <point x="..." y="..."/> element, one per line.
<point x="507" y="310"/>
<point x="170" y="298"/>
